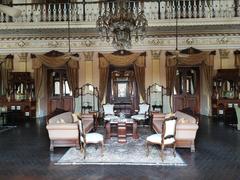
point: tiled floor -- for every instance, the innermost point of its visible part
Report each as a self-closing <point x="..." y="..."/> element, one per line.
<point x="24" y="154"/>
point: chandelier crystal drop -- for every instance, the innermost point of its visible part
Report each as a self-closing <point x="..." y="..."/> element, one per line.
<point x="121" y="21"/>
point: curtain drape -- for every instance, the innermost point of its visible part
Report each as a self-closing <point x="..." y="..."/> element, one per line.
<point x="204" y="59"/>
<point x="72" y="66"/>
<point x="103" y="79"/>
<point x="137" y="59"/>
<point x="5" y="68"/>
<point x="237" y="58"/>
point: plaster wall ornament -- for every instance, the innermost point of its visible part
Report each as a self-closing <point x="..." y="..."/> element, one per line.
<point x="23" y="57"/>
<point x="21" y="44"/>
<point x="223" y="40"/>
<point x="88" y="43"/>
<point x="155" y="54"/>
<point x="53" y="44"/>
<point x="88" y="56"/>
<point x="42" y="45"/>
<point x="189" y="41"/>
<point x="224" y="53"/>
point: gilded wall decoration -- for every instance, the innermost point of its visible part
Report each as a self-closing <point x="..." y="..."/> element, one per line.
<point x="88" y="56"/>
<point x="23" y="57"/>
<point x="189" y="41"/>
<point x="224" y="53"/>
<point x="223" y="40"/>
<point x="53" y="44"/>
<point x="21" y="44"/>
<point x="155" y="54"/>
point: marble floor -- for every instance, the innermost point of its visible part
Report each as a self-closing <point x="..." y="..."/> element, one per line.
<point x="24" y="154"/>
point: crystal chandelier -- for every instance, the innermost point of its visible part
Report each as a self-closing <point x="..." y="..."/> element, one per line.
<point x="121" y="20"/>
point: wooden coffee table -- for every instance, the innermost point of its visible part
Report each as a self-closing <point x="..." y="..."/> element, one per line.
<point x="122" y="128"/>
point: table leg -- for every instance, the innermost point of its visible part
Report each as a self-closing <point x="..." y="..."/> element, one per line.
<point x="122" y="133"/>
<point x="108" y="130"/>
<point x="135" y="132"/>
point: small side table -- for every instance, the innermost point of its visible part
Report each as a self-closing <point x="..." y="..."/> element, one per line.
<point x="3" y="116"/>
<point x="122" y="135"/>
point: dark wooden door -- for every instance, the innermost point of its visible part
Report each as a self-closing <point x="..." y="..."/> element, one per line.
<point x="59" y="94"/>
<point x="186" y="91"/>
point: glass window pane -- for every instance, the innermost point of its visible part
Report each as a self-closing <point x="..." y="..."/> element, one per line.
<point x="56" y="88"/>
<point x="66" y="89"/>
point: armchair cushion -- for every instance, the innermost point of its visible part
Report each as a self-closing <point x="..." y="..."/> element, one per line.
<point x="187" y="118"/>
<point x="108" y="109"/>
<point x="62" y="126"/>
<point x="157" y="139"/>
<point x="75" y="117"/>
<point x="139" y="117"/>
<point x="110" y="117"/>
<point x="67" y="117"/>
<point x="143" y="108"/>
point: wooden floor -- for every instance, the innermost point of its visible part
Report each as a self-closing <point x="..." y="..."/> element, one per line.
<point x="24" y="154"/>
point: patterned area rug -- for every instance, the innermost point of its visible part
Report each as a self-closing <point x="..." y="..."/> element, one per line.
<point x="6" y="128"/>
<point x="131" y="153"/>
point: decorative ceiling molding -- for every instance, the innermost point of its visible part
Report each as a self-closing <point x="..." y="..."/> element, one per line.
<point x="151" y="23"/>
<point x="33" y="45"/>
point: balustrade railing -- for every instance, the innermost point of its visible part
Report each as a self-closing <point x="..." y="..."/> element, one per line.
<point x="154" y="10"/>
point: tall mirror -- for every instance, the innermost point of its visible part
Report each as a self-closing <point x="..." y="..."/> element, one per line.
<point x="87" y="99"/>
<point x="155" y="95"/>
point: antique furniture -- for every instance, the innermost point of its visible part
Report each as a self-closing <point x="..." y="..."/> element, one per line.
<point x="109" y="113"/>
<point x="20" y="98"/>
<point x="155" y="95"/>
<point x="122" y="90"/>
<point x="226" y="94"/>
<point x="142" y="113"/>
<point x="63" y="129"/>
<point x="186" y="128"/>
<point x="166" y="137"/>
<point x="89" y="138"/>
<point x="87" y="99"/>
<point x="122" y="128"/>
<point x="186" y="90"/>
<point x="3" y="115"/>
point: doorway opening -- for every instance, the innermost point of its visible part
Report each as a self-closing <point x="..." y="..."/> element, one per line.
<point x="187" y="89"/>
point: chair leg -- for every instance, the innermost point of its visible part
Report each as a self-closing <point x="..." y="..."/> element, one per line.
<point x="77" y="145"/>
<point x="51" y="145"/>
<point x="174" y="149"/>
<point x="162" y="153"/>
<point x="102" y="147"/>
<point x="84" y="150"/>
<point x="192" y="146"/>
<point x="147" y="145"/>
<point x="81" y="147"/>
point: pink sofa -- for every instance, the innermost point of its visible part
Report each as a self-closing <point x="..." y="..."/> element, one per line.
<point x="63" y="129"/>
<point x="186" y="128"/>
